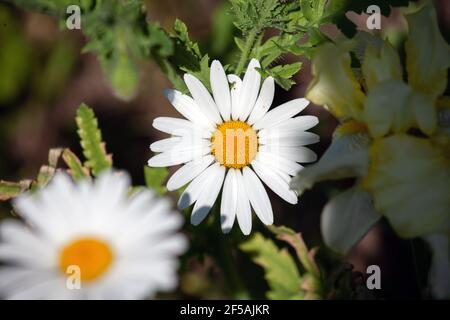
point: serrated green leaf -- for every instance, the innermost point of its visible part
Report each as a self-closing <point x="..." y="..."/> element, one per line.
<point x="305" y="256"/>
<point x="260" y="14"/>
<point x="76" y="169"/>
<point x="286" y="71"/>
<point x="203" y="73"/>
<point x="187" y="56"/>
<point x="91" y="141"/>
<point x="155" y="178"/>
<point x="280" y="269"/>
<point x="283" y="74"/>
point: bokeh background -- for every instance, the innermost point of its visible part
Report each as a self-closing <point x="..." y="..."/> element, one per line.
<point x="44" y="77"/>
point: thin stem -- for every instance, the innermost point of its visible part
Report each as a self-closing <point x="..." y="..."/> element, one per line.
<point x="249" y="44"/>
<point x="230" y="271"/>
<point x="224" y="257"/>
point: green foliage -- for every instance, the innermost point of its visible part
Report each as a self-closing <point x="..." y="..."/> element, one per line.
<point x="280" y="269"/>
<point x="9" y="190"/>
<point x="298" y="24"/>
<point x="155" y="178"/>
<point x="283" y="74"/>
<point x="91" y="141"/>
<point x="260" y="14"/>
<point x="47" y="172"/>
<point x="76" y="169"/>
<point x="187" y="56"/>
<point x="305" y="256"/>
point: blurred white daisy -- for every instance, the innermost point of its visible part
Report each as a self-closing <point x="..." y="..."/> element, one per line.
<point x="226" y="139"/>
<point x="90" y="241"/>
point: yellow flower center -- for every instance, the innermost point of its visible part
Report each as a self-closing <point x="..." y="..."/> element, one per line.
<point x="234" y="144"/>
<point x="92" y="256"/>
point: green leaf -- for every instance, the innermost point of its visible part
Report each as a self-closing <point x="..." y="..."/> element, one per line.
<point x="9" y="190"/>
<point x="283" y="74"/>
<point x="47" y="172"/>
<point x="76" y="168"/>
<point x="187" y="56"/>
<point x="286" y="71"/>
<point x="155" y="178"/>
<point x="296" y="241"/>
<point x="261" y="14"/>
<point x="280" y="269"/>
<point x="203" y="73"/>
<point x="91" y="141"/>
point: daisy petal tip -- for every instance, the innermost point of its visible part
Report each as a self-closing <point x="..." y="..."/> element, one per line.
<point x="169" y="94"/>
<point x="183" y="202"/>
<point x="254" y="63"/>
<point x="216" y="64"/>
<point x="226" y="230"/>
<point x="305" y="101"/>
<point x="170" y="187"/>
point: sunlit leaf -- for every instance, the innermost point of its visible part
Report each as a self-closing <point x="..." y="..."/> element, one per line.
<point x="280" y="269"/>
<point x="91" y="141"/>
<point x="155" y="178"/>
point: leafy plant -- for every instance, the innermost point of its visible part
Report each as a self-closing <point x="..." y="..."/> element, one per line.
<point x="285" y="279"/>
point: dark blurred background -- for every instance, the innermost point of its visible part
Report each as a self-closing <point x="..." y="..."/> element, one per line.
<point x="44" y="78"/>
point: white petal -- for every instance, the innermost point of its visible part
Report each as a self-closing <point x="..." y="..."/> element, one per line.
<point x="300" y="123"/>
<point x="24" y="246"/>
<point x="195" y="188"/>
<point x="297" y="154"/>
<point x="250" y="89"/>
<point x="206" y="200"/>
<point x="188" y="172"/>
<point x="220" y="89"/>
<point x="281" y="113"/>
<point x="264" y="101"/>
<point x="202" y="98"/>
<point x="244" y="212"/>
<point x="188" y="108"/>
<point x="179" y="127"/>
<point x="165" y="144"/>
<point x="274" y="182"/>
<point x="235" y="91"/>
<point x="258" y="196"/>
<point x="175" y="157"/>
<point x="228" y="204"/>
<point x="275" y="161"/>
<point x="288" y="139"/>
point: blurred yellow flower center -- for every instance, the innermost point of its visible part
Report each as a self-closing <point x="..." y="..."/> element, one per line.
<point x="234" y="144"/>
<point x="91" y="255"/>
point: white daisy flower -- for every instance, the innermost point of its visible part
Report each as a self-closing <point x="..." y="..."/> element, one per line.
<point x="90" y="241"/>
<point x="230" y="139"/>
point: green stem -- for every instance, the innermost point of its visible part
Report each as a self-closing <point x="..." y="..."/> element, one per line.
<point x="249" y="44"/>
<point x="224" y="258"/>
<point x="230" y="271"/>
